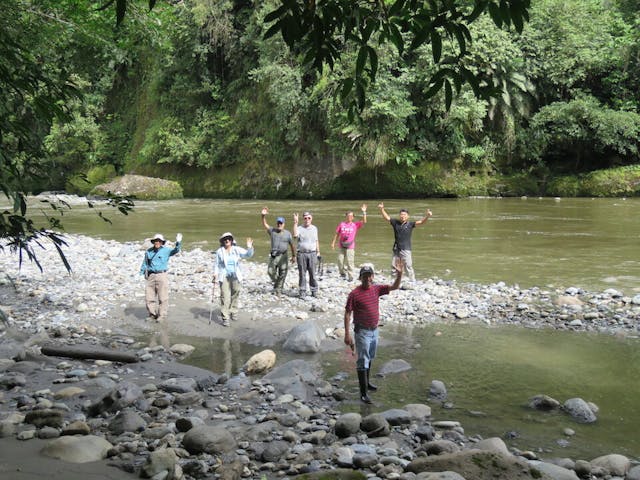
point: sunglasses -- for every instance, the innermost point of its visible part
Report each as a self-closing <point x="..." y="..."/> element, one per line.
<point x="307" y="218"/>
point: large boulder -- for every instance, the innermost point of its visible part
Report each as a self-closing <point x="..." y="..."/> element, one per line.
<point x="143" y="188"/>
<point x="613" y="464"/>
<point x="305" y="338"/>
<point x="477" y="465"/>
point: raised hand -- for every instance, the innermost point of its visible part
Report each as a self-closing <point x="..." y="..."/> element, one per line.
<point x="178" y="238"/>
<point x="264" y="211"/>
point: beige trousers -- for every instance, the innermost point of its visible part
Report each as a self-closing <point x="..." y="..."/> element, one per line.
<point x="157" y="295"/>
<point x="346" y="258"/>
<point x="229" y="293"/>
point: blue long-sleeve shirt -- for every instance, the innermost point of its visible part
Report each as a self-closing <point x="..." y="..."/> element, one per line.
<point x="158" y="260"/>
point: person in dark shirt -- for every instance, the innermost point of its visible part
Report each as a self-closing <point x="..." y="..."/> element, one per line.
<point x="363" y="304"/>
<point x="402" y="230"/>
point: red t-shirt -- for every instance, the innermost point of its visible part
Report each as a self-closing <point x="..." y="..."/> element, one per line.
<point x="365" y="305"/>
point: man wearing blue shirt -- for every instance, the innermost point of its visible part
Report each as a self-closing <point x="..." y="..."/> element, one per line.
<point x="154" y="268"/>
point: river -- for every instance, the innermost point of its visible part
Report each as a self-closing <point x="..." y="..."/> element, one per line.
<point x="490" y="373"/>
<point x="589" y="243"/>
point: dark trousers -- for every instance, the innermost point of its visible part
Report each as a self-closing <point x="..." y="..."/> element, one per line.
<point x="277" y="270"/>
<point x="307" y="263"/>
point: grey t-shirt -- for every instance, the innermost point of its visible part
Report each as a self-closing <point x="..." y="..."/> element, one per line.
<point x="280" y="240"/>
<point x="307" y="238"/>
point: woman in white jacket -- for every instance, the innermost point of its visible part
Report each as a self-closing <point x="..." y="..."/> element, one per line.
<point x="227" y="271"/>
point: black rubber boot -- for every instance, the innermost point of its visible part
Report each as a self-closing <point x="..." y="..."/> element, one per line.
<point x="370" y="385"/>
<point x="362" y="380"/>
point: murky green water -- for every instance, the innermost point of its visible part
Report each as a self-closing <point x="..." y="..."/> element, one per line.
<point x="493" y="371"/>
<point x="530" y="242"/>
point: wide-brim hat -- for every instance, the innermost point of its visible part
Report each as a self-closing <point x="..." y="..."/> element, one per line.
<point x="226" y="235"/>
<point x="158" y="236"/>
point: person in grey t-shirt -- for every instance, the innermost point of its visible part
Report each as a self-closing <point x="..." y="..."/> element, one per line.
<point x="281" y="239"/>
<point x="308" y="253"/>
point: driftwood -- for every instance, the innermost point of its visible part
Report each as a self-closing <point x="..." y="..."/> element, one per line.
<point x="89" y="353"/>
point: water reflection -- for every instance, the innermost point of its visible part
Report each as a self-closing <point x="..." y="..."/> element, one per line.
<point x="490" y="374"/>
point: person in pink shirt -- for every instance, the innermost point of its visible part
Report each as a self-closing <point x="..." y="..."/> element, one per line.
<point x="345" y="237"/>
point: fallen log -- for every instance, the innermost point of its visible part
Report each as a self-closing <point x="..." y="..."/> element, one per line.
<point x="90" y="353"/>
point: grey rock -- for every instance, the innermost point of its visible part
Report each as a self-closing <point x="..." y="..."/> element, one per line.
<point x="437" y="390"/>
<point x="493" y="444"/>
<point x="425" y="432"/>
<point x="347" y="424"/>
<point x="273" y="451"/>
<point x="126" y="421"/>
<point x="124" y="395"/>
<point x="393" y="366"/>
<point x="206" y="439"/>
<point x="543" y="403"/>
<point x="184" y="424"/>
<point x="77" y="427"/>
<point x="179" y="385"/>
<point x="46" y="433"/>
<point x="375" y="425"/>
<point x="634" y="473"/>
<point x="12" y="379"/>
<point x="554" y="471"/>
<point x="304" y="338"/>
<point x="162" y="460"/>
<point x="446" y="475"/>
<point x="397" y="416"/>
<point x="364" y="460"/>
<point x="418" y="411"/>
<point x="613" y="464"/>
<point x="88" y="448"/>
<point x="296" y="377"/>
<point x="579" y="410"/>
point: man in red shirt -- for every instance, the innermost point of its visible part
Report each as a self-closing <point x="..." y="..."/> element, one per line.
<point x="363" y="304"/>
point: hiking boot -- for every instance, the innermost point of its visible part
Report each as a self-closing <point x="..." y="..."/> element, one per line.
<point x="225" y="322"/>
<point x="314" y="294"/>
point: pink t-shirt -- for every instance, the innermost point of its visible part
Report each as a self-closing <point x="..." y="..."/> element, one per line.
<point x="347" y="233"/>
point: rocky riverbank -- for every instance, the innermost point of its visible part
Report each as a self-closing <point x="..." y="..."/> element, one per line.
<point x="160" y="419"/>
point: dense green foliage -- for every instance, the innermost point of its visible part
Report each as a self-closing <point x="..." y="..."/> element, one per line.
<point x="193" y="91"/>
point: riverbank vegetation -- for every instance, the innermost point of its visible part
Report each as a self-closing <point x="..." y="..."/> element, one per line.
<point x="192" y="91"/>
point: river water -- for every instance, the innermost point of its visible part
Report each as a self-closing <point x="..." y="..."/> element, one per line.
<point x="590" y="243"/>
<point x="490" y="373"/>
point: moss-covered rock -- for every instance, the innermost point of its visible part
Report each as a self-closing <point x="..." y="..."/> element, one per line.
<point x="479" y="465"/>
<point x="84" y="184"/>
<point x="613" y="182"/>
<point x="140" y="187"/>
